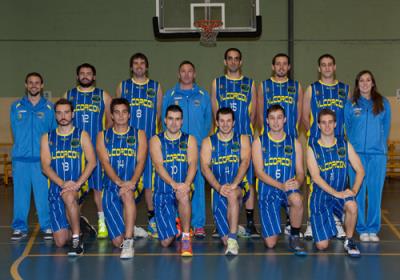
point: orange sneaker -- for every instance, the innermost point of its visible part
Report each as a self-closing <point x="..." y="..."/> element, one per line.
<point x="186" y="247"/>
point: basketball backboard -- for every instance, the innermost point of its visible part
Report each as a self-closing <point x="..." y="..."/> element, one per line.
<point x="176" y="18"/>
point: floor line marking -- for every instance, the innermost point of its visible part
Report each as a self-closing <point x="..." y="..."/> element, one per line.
<point x="391" y="226"/>
<point x="212" y="254"/>
<point x="14" y="267"/>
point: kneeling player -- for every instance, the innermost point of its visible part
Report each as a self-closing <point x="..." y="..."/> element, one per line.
<point x="225" y="158"/>
<point x="174" y="156"/>
<point x="278" y="163"/>
<point x="68" y="159"/>
<point x="328" y="161"/>
<point x="122" y="152"/>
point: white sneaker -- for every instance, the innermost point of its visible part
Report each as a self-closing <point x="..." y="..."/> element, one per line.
<point x="18" y="235"/>
<point x="340" y="231"/>
<point x="373" y="237"/>
<point x="241" y="231"/>
<point x="128" y="249"/>
<point x="48" y="234"/>
<point x="308" y="232"/>
<point x="140" y="232"/>
<point x="364" y="237"/>
<point x="233" y="247"/>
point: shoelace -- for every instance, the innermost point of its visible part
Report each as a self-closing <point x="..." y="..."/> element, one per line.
<point x="75" y="243"/>
<point x="125" y="244"/>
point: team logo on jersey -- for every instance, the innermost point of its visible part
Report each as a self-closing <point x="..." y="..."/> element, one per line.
<point x="96" y="98"/>
<point x="341" y="93"/>
<point x="235" y="147"/>
<point x="131" y="140"/>
<point x="75" y="142"/>
<point x="277" y="145"/>
<point x="341" y="152"/>
<point x="183" y="146"/>
<point x="288" y="150"/>
<point x="357" y="112"/>
<point x="196" y="102"/>
<point x="244" y="87"/>
<point x="150" y="92"/>
<point x="291" y="90"/>
<point x="40" y="115"/>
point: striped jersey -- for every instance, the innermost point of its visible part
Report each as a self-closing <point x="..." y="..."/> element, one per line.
<point x="175" y="161"/>
<point x="236" y="94"/>
<point x="67" y="157"/>
<point x="330" y="96"/>
<point x="122" y="154"/>
<point x="88" y="110"/>
<point x="332" y="163"/>
<point x="286" y="94"/>
<point x="142" y="98"/>
<point x="225" y="158"/>
<point x="279" y="159"/>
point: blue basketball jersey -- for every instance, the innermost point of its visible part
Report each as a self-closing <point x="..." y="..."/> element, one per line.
<point x="88" y="110"/>
<point x="330" y="96"/>
<point x="332" y="162"/>
<point x="285" y="94"/>
<point x="142" y="98"/>
<point x="279" y="158"/>
<point x="236" y="94"/>
<point x="175" y="161"/>
<point x="122" y="154"/>
<point x="67" y="158"/>
<point x="225" y="158"/>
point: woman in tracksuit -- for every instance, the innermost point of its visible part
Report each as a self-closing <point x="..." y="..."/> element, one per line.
<point x="367" y="120"/>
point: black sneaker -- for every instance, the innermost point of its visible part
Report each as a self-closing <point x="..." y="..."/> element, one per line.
<point x="215" y="233"/>
<point x="86" y="228"/>
<point x="351" y="248"/>
<point x="252" y="231"/>
<point x="296" y="246"/>
<point x="18" y="235"/>
<point x="76" y="248"/>
<point x="48" y="234"/>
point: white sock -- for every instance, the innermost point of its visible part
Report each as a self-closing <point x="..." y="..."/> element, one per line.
<point x="185" y="235"/>
<point x="75" y="236"/>
<point x="100" y="215"/>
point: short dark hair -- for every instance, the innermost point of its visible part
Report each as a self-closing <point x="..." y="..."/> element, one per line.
<point x="232" y="49"/>
<point x="326" y="55"/>
<point x="174" y="108"/>
<point x="275" y="107"/>
<point x="325" y="112"/>
<point x="225" y="111"/>
<point x="63" y="101"/>
<point x="119" y="101"/>
<point x="85" y="65"/>
<point x="280" y="55"/>
<point x="34" y="74"/>
<point x="136" y="56"/>
<point x="186" y="62"/>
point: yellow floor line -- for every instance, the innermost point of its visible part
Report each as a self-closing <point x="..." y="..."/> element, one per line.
<point x="391" y="226"/>
<point x="14" y="267"/>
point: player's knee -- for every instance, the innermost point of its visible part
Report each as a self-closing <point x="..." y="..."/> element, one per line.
<point x="296" y="200"/>
<point x="127" y="197"/>
<point x="60" y="241"/>
<point x="69" y="198"/>
<point x="270" y="242"/>
<point x="166" y="242"/>
<point x="233" y="198"/>
<point x="351" y="208"/>
<point x="322" y="245"/>
<point x="183" y="197"/>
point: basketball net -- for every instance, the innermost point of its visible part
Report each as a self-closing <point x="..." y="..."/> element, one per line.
<point x="208" y="31"/>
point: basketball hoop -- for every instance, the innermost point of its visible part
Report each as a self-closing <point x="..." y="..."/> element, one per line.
<point x="208" y="31"/>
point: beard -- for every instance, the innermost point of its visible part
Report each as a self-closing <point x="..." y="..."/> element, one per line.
<point x="33" y="94"/>
<point x="85" y="83"/>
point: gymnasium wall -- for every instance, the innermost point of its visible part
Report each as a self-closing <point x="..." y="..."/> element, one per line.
<point x="53" y="37"/>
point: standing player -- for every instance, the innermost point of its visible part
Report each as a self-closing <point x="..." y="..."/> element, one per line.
<point x="122" y="151"/>
<point x="238" y="92"/>
<point x="328" y="161"/>
<point x="327" y="93"/>
<point x="278" y="164"/>
<point x="174" y="155"/>
<point x="196" y="106"/>
<point x="225" y="158"/>
<point x="92" y="114"/>
<point x="30" y="117"/>
<point x="68" y="158"/>
<point x="279" y="89"/>
<point x="145" y="98"/>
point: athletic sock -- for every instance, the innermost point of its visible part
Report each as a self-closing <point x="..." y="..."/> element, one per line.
<point x="294" y="231"/>
<point x="150" y="214"/>
<point x="250" y="216"/>
<point x="232" y="235"/>
<point x="100" y="215"/>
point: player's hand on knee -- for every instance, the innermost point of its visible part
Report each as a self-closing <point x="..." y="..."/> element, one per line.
<point x="291" y="184"/>
<point x="225" y="190"/>
<point x="182" y="188"/>
<point x="124" y="190"/>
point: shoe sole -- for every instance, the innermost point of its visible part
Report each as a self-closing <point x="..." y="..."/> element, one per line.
<point x="74" y="254"/>
<point x="300" y="253"/>
<point x="186" y="254"/>
<point x="354" y="256"/>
